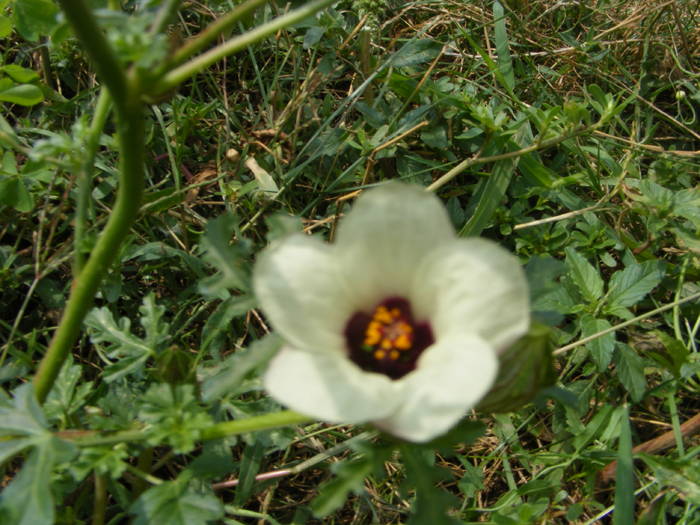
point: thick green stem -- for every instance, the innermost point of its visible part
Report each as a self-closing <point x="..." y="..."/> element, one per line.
<point x="253" y="424"/>
<point x="85" y="178"/>
<point x="126" y="93"/>
<point x="130" y="120"/>
<point x="178" y="75"/>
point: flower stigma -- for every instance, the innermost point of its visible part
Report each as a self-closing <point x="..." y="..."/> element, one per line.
<point x="387" y="341"/>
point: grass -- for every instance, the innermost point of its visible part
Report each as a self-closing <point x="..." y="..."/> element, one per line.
<point x="567" y="132"/>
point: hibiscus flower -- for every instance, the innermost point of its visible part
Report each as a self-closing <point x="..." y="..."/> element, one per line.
<point x="399" y="322"/>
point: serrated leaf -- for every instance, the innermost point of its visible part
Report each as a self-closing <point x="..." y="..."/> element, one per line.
<point x="157" y="331"/>
<point x="602" y="347"/>
<point x="174" y="415"/>
<point x="349" y="477"/>
<point x="103" y="460"/>
<point x="129" y="351"/>
<point x="584" y="275"/>
<point x="27" y="500"/>
<point x="234" y="370"/>
<point x="686" y="204"/>
<point x="431" y="502"/>
<point x="682" y="476"/>
<point x="67" y="394"/>
<point x="220" y="320"/>
<point x="229" y="259"/>
<point x="177" y="503"/>
<point x="630" y="371"/>
<point x="629" y="286"/>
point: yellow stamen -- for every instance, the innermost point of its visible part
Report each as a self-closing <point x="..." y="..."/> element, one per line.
<point x="379" y="354"/>
<point x="402" y="342"/>
<point x="394" y="355"/>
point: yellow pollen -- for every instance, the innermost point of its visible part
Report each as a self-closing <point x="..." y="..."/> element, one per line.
<point x="402" y="342"/>
<point x="382" y="315"/>
<point x="388" y="333"/>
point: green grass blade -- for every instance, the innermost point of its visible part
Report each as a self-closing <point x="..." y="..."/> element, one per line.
<point x="624" y="480"/>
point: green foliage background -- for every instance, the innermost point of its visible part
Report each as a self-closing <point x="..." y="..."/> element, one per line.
<point x="568" y="132"/>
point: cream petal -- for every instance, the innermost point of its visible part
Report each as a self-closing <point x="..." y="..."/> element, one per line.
<point x="452" y="376"/>
<point x="329" y="387"/>
<point x="299" y="287"/>
<point x="475" y="286"/>
<point x="385" y="236"/>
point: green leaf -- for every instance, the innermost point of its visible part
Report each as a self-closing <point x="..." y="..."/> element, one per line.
<point x="431" y="502"/>
<point x="157" y="330"/>
<point x="129" y="351"/>
<point x="584" y="275"/>
<point x="177" y="503"/>
<point x="601" y="348"/>
<point x="686" y="204"/>
<point x="249" y="467"/>
<point x="682" y="476"/>
<point x="27" y="500"/>
<point x="68" y="394"/>
<point x="630" y="371"/>
<point x="500" y="36"/>
<point x="5" y="27"/>
<point x="229" y="259"/>
<point x="490" y="197"/>
<point x="19" y="74"/>
<point x="624" y="477"/>
<point x="35" y="18"/>
<point x="14" y="193"/>
<point x="220" y="320"/>
<point x="234" y="370"/>
<point x="175" y="416"/>
<point x="525" y="369"/>
<point x="349" y="477"/>
<point x="415" y="52"/>
<point x="629" y="286"/>
<point x="22" y="94"/>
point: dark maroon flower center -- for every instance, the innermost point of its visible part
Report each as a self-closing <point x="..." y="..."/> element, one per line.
<point x="388" y="340"/>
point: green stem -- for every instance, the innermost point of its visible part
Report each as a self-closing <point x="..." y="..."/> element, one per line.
<point x="467" y="163"/>
<point x="130" y="120"/>
<point x="211" y="33"/>
<point x="253" y="424"/>
<point x="283" y="418"/>
<point x="85" y="178"/>
<point x="92" y="38"/>
<point x="178" y="75"/>
<point x="625" y="324"/>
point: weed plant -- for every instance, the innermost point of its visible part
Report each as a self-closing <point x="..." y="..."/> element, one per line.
<point x="565" y="131"/>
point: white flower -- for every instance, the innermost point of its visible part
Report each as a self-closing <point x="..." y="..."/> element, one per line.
<point x="398" y="323"/>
